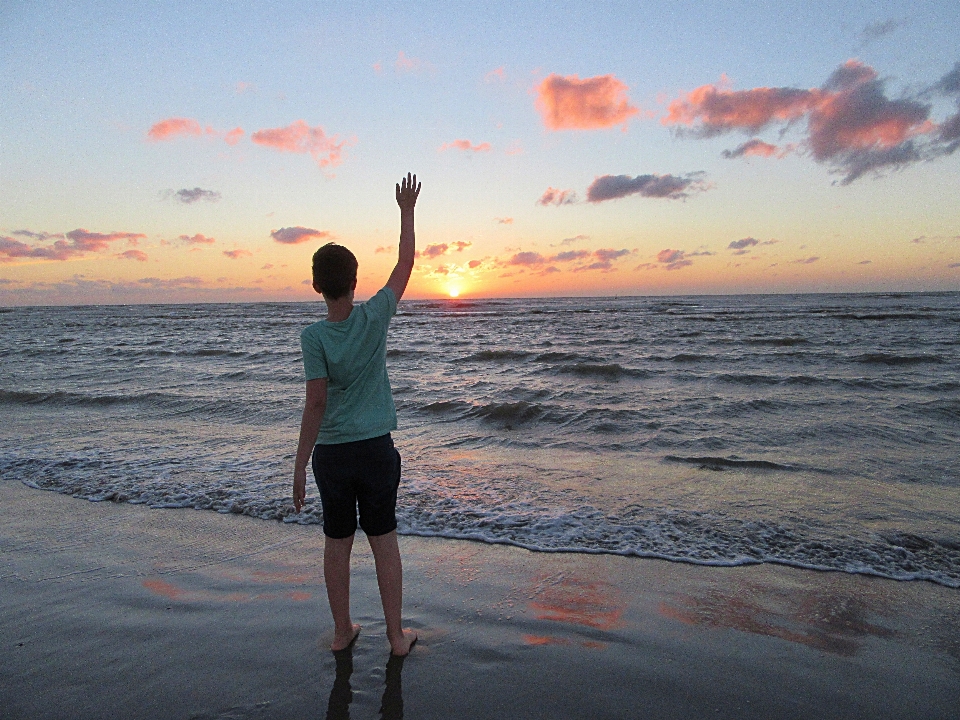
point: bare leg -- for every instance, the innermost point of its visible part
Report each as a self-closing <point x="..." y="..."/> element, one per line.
<point x="386" y="554"/>
<point x="336" y="575"/>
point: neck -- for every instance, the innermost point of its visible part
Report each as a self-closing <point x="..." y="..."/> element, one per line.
<point x="339" y="310"/>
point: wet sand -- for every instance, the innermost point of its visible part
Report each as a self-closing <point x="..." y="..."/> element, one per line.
<point x="121" y="611"/>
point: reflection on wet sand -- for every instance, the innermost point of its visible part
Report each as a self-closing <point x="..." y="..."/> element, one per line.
<point x="341" y="694"/>
<point x="576" y="601"/>
<point x="580" y="602"/>
<point x="819" y="617"/>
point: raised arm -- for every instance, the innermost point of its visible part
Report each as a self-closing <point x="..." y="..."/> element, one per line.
<point x="407" y="191"/>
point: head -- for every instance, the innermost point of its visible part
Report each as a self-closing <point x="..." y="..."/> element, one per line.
<point x="334" y="271"/>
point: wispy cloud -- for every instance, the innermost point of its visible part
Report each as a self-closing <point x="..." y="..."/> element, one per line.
<point x="881" y="28"/>
<point x="188" y="196"/>
<point x="553" y="196"/>
<point x="237" y="254"/>
<point x="298" y="137"/>
<point x="298" y="234"/>
<point x="466" y="146"/>
<point x="74" y="244"/>
<point x="504" y="220"/>
<point x="742" y="246"/>
<point x="496" y="75"/>
<point x="232" y="137"/>
<point x="408" y="64"/>
<point x="137" y="255"/>
<point x="198" y="239"/>
<point x="671" y="187"/>
<point x="569" y="103"/>
<point x="755" y="148"/>
<point x="806" y="261"/>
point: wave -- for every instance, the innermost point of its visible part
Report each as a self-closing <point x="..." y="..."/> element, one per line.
<point x="691" y="357"/>
<point x="895" y="360"/>
<point x="778" y="341"/>
<point x="608" y="371"/>
<point x="719" y="463"/>
<point x="426" y="509"/>
<point x="59" y="397"/>
<point x="497" y="355"/>
<point x="268" y="411"/>
<point x="882" y="316"/>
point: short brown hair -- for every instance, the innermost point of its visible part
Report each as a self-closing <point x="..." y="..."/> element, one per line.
<point x="334" y="270"/>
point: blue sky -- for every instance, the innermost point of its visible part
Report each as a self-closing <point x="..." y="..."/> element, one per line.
<point x="395" y="83"/>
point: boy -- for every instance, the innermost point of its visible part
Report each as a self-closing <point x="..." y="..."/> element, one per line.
<point x="347" y="419"/>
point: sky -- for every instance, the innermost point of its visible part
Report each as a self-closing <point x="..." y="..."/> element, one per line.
<point x="202" y="151"/>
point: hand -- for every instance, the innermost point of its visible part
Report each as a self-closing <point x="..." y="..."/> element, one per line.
<point x="407" y="191"/>
<point x="299" y="487"/>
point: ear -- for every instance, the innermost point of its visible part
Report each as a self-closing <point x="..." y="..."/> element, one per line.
<point x="317" y="288"/>
<point x="353" y="287"/>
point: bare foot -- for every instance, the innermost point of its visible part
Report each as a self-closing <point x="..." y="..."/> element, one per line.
<point x="342" y="642"/>
<point x="403" y="646"/>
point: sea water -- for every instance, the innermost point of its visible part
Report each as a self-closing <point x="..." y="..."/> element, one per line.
<point x="818" y="431"/>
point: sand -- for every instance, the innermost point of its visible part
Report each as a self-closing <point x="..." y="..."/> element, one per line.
<point x="115" y="611"/>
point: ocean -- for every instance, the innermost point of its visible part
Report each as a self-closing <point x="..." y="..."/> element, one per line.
<point x="818" y="431"/>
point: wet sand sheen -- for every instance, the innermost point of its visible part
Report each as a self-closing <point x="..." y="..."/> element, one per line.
<point x="113" y="610"/>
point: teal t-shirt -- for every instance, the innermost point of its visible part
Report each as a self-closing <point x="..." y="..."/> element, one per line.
<point x="352" y="355"/>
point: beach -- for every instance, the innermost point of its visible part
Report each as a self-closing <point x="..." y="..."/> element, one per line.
<point x="117" y="610"/>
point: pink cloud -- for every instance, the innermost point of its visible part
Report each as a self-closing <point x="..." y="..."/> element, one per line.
<point x="295" y="235"/>
<point x="753" y="148"/>
<point x="173" y="127"/>
<point x="673" y="259"/>
<point x="382" y="249"/>
<point x="526" y="259"/>
<point x="245" y="87"/>
<point x="851" y="124"/>
<point x="473" y="264"/>
<point x="713" y="109"/>
<point x="569" y="103"/>
<point x="237" y="254"/>
<point x="496" y="75"/>
<point x="553" y="196"/>
<point x="138" y="255"/>
<point x="504" y="220"/>
<point x="232" y="137"/>
<point x="466" y="146"/>
<point x="461" y="245"/>
<point x="298" y="137"/>
<point x="432" y="251"/>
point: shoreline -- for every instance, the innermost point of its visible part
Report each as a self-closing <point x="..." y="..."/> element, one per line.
<point x="117" y="609"/>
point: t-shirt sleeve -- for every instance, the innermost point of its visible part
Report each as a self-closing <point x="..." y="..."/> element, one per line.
<point x="314" y="360"/>
<point x="383" y="305"/>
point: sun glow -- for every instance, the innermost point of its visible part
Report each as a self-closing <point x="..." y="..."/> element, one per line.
<point x="453" y="291"/>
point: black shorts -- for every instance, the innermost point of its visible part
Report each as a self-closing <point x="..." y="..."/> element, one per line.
<point x="364" y="474"/>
